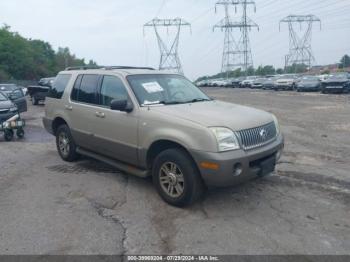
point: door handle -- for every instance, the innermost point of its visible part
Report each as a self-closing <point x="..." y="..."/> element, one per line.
<point x="100" y="114"/>
<point x="67" y="107"/>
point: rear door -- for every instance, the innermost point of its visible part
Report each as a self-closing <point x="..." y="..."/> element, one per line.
<point x="115" y="131"/>
<point x="82" y="110"/>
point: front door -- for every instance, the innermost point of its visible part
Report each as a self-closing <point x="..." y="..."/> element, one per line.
<point x="115" y="131"/>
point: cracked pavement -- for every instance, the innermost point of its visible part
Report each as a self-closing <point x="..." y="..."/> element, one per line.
<point x="52" y="207"/>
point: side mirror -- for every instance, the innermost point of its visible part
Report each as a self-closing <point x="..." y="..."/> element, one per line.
<point x="121" y="105"/>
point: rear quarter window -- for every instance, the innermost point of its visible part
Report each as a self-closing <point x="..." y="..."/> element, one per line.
<point x="59" y="85"/>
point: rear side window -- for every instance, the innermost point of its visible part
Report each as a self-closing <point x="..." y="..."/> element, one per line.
<point x="59" y="85"/>
<point x="85" y="92"/>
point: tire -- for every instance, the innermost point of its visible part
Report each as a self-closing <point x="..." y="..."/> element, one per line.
<point x="8" y="135"/>
<point x="186" y="171"/>
<point x="20" y="133"/>
<point x="66" y="146"/>
<point x="35" y="101"/>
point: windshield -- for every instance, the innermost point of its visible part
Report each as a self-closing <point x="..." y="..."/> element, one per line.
<point x="310" y="78"/>
<point x="165" y="89"/>
<point x="339" y="76"/>
<point x="3" y="97"/>
<point x="7" y="87"/>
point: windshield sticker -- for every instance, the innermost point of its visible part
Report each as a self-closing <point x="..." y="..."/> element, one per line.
<point x="152" y="87"/>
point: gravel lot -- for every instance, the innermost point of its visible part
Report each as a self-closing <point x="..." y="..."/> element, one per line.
<point x="51" y="207"/>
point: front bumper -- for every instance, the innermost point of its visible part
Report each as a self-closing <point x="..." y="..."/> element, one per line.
<point x="249" y="161"/>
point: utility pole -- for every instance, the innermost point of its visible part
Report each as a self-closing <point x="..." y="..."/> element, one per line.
<point x="300" y="51"/>
<point x="237" y="53"/>
<point x="169" y="56"/>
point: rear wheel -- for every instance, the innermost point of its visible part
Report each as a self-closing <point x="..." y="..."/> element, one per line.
<point x="35" y="101"/>
<point x="8" y="135"/>
<point x="177" y="178"/>
<point x="65" y="144"/>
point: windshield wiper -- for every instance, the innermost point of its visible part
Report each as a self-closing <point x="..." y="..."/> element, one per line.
<point x="162" y="103"/>
<point x="199" y="100"/>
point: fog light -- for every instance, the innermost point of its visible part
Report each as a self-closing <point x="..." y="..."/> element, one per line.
<point x="237" y="169"/>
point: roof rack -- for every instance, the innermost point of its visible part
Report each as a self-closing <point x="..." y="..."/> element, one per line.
<point x="106" y="67"/>
<point x="82" y="68"/>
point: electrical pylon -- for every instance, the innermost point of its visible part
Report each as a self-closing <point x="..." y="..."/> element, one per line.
<point x="300" y="51"/>
<point x="169" y="56"/>
<point x="236" y="54"/>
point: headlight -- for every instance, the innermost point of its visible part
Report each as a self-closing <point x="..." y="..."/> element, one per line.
<point x="276" y="124"/>
<point x="226" y="139"/>
<point x="13" y="109"/>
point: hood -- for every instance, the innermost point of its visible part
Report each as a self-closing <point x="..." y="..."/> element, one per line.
<point x="336" y="80"/>
<point x="218" y="114"/>
<point x="6" y="104"/>
<point x="285" y="80"/>
<point x="308" y="83"/>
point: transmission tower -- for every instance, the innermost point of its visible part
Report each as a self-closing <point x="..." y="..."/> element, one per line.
<point x="169" y="57"/>
<point x="236" y="53"/>
<point x="300" y="51"/>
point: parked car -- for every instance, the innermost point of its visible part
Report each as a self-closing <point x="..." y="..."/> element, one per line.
<point x="16" y="95"/>
<point x="38" y="93"/>
<point x="7" y="107"/>
<point x="219" y="83"/>
<point x="287" y="82"/>
<point x="258" y="83"/>
<point x="247" y="83"/>
<point x="151" y="123"/>
<point x="308" y="83"/>
<point x="338" y="83"/>
<point x="236" y="82"/>
<point x="269" y="83"/>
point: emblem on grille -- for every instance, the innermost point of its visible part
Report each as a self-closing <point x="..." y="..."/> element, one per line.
<point x="263" y="133"/>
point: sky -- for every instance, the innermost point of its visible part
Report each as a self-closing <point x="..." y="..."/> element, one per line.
<point x="111" y="31"/>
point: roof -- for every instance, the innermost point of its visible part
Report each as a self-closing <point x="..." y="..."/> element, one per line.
<point x="123" y="70"/>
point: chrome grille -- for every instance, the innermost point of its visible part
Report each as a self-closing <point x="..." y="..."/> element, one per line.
<point x="258" y="136"/>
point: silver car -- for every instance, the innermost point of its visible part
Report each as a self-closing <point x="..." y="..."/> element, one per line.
<point x="150" y="123"/>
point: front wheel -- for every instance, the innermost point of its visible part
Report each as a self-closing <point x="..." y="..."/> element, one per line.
<point x="20" y="133"/>
<point x="8" y="135"/>
<point x="65" y="144"/>
<point x="177" y="178"/>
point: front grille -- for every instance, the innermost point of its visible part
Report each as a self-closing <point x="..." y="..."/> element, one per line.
<point x="258" y="136"/>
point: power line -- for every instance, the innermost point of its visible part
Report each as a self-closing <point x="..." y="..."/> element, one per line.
<point x="169" y="57"/>
<point x="236" y="54"/>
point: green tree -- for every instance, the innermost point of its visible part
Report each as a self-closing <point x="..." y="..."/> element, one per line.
<point x="344" y="62"/>
<point x="26" y="59"/>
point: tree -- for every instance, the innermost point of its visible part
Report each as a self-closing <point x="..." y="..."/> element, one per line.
<point x="345" y="62"/>
<point x="27" y="59"/>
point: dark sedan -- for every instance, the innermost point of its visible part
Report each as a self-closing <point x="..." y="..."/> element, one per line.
<point x="308" y="83"/>
<point x="7" y="108"/>
<point x="338" y="83"/>
<point x="16" y="95"/>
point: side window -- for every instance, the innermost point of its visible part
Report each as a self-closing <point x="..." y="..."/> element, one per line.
<point x="112" y="88"/>
<point x="87" y="91"/>
<point x="59" y="85"/>
<point x="74" y="95"/>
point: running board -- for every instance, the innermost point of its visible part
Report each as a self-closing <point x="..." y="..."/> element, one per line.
<point x="119" y="165"/>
